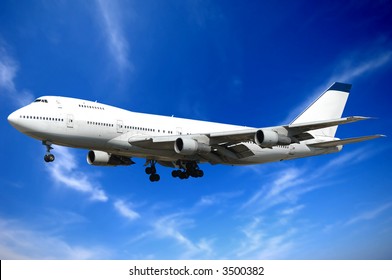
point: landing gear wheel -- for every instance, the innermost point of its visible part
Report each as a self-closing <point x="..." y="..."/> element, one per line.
<point x="187" y="169"/>
<point x="155" y="177"/>
<point x="183" y="175"/>
<point x="148" y="170"/>
<point x="199" y="173"/>
<point x="49" y="158"/>
<point x="176" y="173"/>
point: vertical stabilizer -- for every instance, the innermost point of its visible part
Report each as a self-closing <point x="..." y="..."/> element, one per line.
<point x="328" y="106"/>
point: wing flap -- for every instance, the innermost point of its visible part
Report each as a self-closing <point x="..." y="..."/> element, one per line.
<point x="241" y="150"/>
<point x="335" y="143"/>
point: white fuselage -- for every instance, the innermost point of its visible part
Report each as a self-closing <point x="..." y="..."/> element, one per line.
<point x="91" y="125"/>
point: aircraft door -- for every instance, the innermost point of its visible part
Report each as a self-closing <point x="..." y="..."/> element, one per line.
<point x="70" y="121"/>
<point x="291" y="150"/>
<point x="119" y="126"/>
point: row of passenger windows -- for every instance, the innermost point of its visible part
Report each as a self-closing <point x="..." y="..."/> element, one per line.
<point x="91" y="107"/>
<point x="283" y="146"/>
<point x="95" y="123"/>
<point x="129" y="127"/>
<point x="145" y="129"/>
<point x="101" y="124"/>
<point x="42" y="118"/>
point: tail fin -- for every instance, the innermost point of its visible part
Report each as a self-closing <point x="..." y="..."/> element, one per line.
<point x="328" y="106"/>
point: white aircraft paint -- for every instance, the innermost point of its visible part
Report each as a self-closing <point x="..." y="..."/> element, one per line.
<point x="113" y="135"/>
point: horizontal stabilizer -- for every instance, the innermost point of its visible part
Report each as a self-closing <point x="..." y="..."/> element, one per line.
<point x="302" y="127"/>
<point x="335" y="143"/>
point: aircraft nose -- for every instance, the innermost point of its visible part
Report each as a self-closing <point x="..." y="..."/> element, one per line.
<point x="12" y="118"/>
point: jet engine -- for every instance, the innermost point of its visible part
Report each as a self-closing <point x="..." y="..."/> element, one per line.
<point x="269" y="138"/>
<point x="104" y="159"/>
<point x="188" y="147"/>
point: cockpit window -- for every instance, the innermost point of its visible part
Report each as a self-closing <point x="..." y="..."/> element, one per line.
<point x="41" y="100"/>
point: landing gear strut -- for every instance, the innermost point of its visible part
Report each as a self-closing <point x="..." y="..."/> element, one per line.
<point x="190" y="169"/>
<point x="152" y="171"/>
<point x="48" y="156"/>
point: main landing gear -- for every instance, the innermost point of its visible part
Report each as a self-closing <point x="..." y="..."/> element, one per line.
<point x="152" y="171"/>
<point x="49" y="157"/>
<point x="186" y="169"/>
<point x="191" y="169"/>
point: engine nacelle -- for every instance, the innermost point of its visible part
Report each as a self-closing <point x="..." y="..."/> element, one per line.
<point x="189" y="147"/>
<point x="270" y="138"/>
<point x="100" y="158"/>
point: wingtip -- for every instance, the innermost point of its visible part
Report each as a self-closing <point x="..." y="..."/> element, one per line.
<point x="340" y="87"/>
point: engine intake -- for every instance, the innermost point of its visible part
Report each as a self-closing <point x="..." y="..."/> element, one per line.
<point x="270" y="138"/>
<point x="188" y="147"/>
<point x="100" y="158"/>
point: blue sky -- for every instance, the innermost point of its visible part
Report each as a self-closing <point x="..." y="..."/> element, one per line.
<point x="241" y="62"/>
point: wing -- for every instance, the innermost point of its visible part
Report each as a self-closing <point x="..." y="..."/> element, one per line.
<point x="218" y="147"/>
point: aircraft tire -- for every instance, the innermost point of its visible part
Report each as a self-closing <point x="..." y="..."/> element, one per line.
<point x="155" y="177"/>
<point x="49" y="158"/>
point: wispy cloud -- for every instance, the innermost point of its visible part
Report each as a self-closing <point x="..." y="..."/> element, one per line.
<point x="285" y="187"/>
<point x="65" y="171"/>
<point x="356" y="66"/>
<point x="125" y="210"/>
<point x="292" y="210"/>
<point x="353" y="66"/>
<point x="19" y="241"/>
<point x="110" y="16"/>
<point x="260" y="244"/>
<point x="8" y="70"/>
<point x="170" y="227"/>
<point x="370" y="214"/>
<point x="216" y="199"/>
<point x="289" y="184"/>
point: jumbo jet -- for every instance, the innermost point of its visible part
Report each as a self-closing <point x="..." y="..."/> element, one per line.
<point x="114" y="136"/>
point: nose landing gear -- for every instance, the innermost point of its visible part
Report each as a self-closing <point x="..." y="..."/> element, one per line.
<point x="49" y="157"/>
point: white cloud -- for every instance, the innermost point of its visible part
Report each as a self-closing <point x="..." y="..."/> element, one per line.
<point x="353" y="66"/>
<point x="18" y="241"/>
<point x="170" y="227"/>
<point x="8" y="70"/>
<point x="369" y="215"/>
<point x="64" y="170"/>
<point x="216" y="199"/>
<point x="125" y="210"/>
<point x="349" y="69"/>
<point x="287" y="185"/>
<point x="259" y="244"/>
<point x="110" y="16"/>
<point x="292" y="210"/>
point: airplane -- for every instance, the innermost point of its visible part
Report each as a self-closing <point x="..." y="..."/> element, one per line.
<point x="114" y="136"/>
